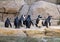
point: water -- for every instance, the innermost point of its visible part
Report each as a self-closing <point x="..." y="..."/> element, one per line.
<point x="28" y="39"/>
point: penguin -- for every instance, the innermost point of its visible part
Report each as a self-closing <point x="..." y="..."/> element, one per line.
<point x="7" y="23"/>
<point x="22" y="20"/>
<point x="47" y="22"/>
<point x="28" y="21"/>
<point x="16" y="22"/>
<point x="39" y="21"/>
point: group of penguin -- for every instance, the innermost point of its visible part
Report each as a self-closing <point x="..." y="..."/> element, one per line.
<point x="27" y="21"/>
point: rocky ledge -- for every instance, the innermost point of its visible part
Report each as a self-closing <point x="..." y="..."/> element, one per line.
<point x="39" y="32"/>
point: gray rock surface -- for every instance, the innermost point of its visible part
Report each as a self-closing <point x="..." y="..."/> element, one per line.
<point x="11" y="6"/>
<point x="44" y="9"/>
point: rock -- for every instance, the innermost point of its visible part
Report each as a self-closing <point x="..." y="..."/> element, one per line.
<point x="32" y="1"/>
<point x="44" y="9"/>
<point x="29" y="2"/>
<point x="12" y="6"/>
<point x="52" y="32"/>
<point x="24" y="10"/>
<point x="58" y="7"/>
<point x="34" y="33"/>
<point x="11" y="32"/>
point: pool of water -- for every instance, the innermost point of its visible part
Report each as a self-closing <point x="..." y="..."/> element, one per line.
<point x="28" y="39"/>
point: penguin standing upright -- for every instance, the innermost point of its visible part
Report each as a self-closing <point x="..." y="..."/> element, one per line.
<point x="22" y="20"/>
<point x="16" y="22"/>
<point x="28" y="21"/>
<point x="47" y="22"/>
<point x="39" y="21"/>
<point x="7" y="23"/>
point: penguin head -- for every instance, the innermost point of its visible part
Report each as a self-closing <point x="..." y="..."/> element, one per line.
<point x="39" y="16"/>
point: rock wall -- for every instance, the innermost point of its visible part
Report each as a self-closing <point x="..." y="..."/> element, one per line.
<point x="17" y="8"/>
<point x="10" y="8"/>
<point x="32" y="1"/>
<point x="45" y="9"/>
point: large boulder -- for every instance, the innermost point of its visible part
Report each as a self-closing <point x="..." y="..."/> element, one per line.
<point x="44" y="9"/>
<point x="11" y="6"/>
<point x="32" y="1"/>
